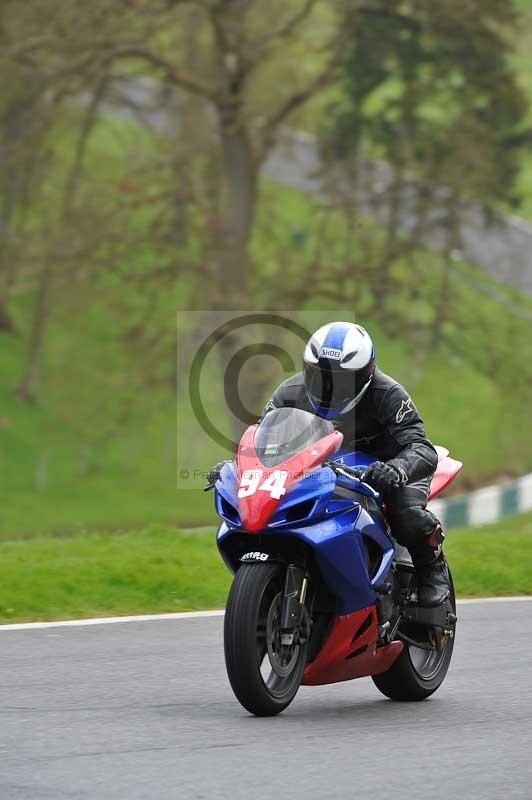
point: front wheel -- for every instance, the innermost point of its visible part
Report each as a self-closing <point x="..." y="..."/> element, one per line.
<point x="264" y="673"/>
<point x="419" y="672"/>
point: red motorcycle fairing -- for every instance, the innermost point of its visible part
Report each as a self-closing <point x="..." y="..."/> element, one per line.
<point x="350" y="650"/>
<point x="261" y="488"/>
<point x="446" y="471"/>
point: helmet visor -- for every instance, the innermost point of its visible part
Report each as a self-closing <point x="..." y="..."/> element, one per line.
<point x="332" y="388"/>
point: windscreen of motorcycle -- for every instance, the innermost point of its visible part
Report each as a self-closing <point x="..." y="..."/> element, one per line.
<point x="283" y="432"/>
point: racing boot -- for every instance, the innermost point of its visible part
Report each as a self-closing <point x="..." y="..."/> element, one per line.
<point x="433" y="581"/>
<point x="434" y="586"/>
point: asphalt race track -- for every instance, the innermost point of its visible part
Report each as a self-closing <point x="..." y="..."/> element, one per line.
<point x="144" y="710"/>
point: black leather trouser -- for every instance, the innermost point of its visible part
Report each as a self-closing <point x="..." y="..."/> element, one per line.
<point x="410" y="520"/>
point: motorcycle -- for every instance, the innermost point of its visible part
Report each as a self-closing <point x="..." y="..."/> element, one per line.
<point x="322" y="592"/>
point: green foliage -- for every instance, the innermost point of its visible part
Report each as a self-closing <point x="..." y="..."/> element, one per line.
<point x="131" y="229"/>
<point x="431" y="88"/>
<point x="466" y="387"/>
<point x="98" y="448"/>
<point x="522" y="62"/>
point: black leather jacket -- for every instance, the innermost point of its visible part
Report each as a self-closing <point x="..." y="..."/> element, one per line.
<point x="385" y="423"/>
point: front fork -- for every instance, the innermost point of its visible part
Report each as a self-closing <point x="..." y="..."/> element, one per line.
<point x="294" y="619"/>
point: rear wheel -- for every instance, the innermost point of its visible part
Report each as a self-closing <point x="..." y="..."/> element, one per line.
<point x="419" y="672"/>
<point x="264" y="674"/>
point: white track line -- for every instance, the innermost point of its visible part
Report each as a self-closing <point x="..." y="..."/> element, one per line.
<point x="67" y="623"/>
<point x="517" y="598"/>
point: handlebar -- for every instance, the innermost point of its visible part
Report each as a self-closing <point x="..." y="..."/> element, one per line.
<point x="353" y="474"/>
<point x="342" y="469"/>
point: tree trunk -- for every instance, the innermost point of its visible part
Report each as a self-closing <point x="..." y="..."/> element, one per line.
<point x="8" y="269"/>
<point x="26" y="390"/>
<point x="7" y="263"/>
<point x="236" y="220"/>
<point x="382" y="287"/>
<point x="444" y="300"/>
<point x="6" y="323"/>
<point x="238" y="208"/>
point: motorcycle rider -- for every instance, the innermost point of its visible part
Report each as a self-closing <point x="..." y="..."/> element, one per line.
<point x="341" y="382"/>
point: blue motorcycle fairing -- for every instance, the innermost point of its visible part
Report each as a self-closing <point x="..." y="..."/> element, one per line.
<point x="306" y="501"/>
<point x="226" y="495"/>
<point x="334" y="528"/>
<point x="353" y="458"/>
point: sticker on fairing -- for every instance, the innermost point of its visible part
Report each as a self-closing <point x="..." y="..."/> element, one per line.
<point x="255" y="556"/>
<point x="271" y="449"/>
<point x="274" y="483"/>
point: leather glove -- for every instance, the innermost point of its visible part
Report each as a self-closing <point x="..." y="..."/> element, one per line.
<point x="385" y="475"/>
<point x="214" y="472"/>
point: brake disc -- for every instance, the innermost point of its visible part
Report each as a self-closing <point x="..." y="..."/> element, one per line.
<point x="282" y="657"/>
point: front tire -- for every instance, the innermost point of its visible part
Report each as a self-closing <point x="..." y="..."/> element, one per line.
<point x="264" y="674"/>
<point x="418" y="673"/>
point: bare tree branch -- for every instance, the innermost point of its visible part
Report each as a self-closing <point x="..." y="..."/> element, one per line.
<point x="288" y="28"/>
<point x="171" y="74"/>
<point x="320" y="82"/>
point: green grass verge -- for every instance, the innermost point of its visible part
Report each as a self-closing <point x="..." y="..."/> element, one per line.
<point x="494" y="559"/>
<point x="152" y="570"/>
<point x="159" y="569"/>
